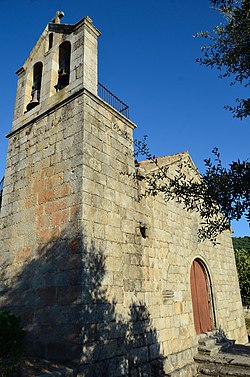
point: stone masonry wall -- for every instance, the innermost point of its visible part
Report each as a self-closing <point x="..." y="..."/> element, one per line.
<point x="41" y="262"/>
<point x="41" y="237"/>
<point x="141" y="272"/>
<point x="89" y="285"/>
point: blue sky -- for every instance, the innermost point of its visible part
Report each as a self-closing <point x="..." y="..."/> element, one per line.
<point x="147" y="58"/>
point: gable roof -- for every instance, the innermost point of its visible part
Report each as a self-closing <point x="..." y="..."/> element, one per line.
<point x="149" y="166"/>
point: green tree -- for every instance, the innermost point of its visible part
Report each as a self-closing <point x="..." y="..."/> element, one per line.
<point x="229" y="48"/>
<point x="220" y="196"/>
<point x="221" y="190"/>
<point x="229" y="187"/>
<point x="242" y="243"/>
<point x="242" y="257"/>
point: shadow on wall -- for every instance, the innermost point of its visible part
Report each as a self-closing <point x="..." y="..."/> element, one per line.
<point x="59" y="295"/>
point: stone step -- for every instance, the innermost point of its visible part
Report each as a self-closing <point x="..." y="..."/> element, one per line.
<point x="214" y="340"/>
<point x="208" y="350"/>
<point x="224" y="358"/>
<point x="213" y="348"/>
<point x="222" y="370"/>
<point x="208" y="333"/>
<point x="223" y="364"/>
<point x="206" y="342"/>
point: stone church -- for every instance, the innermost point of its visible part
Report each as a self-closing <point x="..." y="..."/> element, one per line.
<point x="105" y="281"/>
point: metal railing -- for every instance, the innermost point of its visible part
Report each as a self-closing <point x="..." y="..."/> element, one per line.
<point x="112" y="100"/>
<point x="1" y="191"/>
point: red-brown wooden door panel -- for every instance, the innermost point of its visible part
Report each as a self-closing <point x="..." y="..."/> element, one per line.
<point x="202" y="320"/>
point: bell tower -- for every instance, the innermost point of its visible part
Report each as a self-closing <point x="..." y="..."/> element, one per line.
<point x="41" y="213"/>
<point x="59" y="190"/>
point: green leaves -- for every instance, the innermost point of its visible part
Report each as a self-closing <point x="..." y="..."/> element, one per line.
<point x="241" y="243"/>
<point x="230" y="187"/>
<point x="220" y="195"/>
<point x="11" y="342"/>
<point x="242" y="258"/>
<point x="229" y="48"/>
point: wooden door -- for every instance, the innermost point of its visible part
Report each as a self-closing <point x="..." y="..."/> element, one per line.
<point x="199" y="291"/>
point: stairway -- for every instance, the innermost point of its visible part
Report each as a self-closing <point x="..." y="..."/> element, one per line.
<point x="220" y="357"/>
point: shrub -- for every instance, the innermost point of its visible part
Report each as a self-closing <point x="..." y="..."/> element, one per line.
<point x="242" y="258"/>
<point x="11" y="343"/>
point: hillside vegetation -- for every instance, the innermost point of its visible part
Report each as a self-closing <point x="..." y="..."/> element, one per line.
<point x="242" y="257"/>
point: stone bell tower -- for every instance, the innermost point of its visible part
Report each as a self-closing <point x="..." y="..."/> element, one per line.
<point x="60" y="157"/>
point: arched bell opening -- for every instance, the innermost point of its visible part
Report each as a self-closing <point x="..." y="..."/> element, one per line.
<point x="51" y="37"/>
<point x="64" y="66"/>
<point x="202" y="297"/>
<point x="36" y="87"/>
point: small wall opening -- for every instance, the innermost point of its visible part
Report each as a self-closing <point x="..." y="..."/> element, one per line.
<point x="36" y="87"/>
<point x="64" y="65"/>
<point x="51" y="36"/>
<point x="143" y="231"/>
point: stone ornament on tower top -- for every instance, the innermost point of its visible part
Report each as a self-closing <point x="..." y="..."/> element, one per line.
<point x="57" y="18"/>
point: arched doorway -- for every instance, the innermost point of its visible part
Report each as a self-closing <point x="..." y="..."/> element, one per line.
<point x="200" y="297"/>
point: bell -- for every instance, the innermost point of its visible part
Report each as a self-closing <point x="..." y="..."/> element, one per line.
<point x="63" y="79"/>
<point x="35" y="99"/>
<point x="63" y="72"/>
